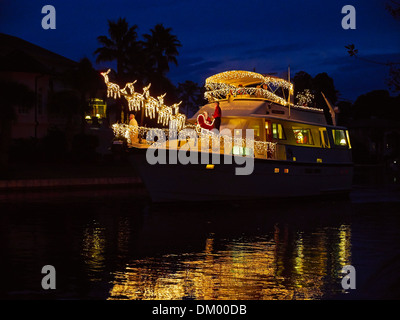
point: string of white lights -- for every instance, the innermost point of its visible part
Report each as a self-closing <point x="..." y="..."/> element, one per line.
<point x="223" y="93"/>
<point x="146" y="135"/>
<point x="224" y="77"/>
<point x="226" y="84"/>
<point x="305" y="97"/>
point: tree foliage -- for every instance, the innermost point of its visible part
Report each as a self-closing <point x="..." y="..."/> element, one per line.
<point x="161" y="48"/>
<point x="147" y="60"/>
<point x="394" y="8"/>
<point x="394" y="79"/>
<point x="322" y="82"/>
<point x="119" y="45"/>
<point x="192" y="96"/>
<point x="83" y="82"/>
<point x="376" y="104"/>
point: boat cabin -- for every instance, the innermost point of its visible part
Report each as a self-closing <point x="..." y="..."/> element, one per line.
<point x="249" y="100"/>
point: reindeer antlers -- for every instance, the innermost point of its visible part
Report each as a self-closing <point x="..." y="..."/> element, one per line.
<point x="130" y="86"/>
<point x="105" y="73"/>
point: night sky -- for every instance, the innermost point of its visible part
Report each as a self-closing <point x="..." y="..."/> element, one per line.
<point x="217" y="36"/>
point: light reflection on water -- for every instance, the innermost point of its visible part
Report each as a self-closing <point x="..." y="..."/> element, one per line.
<point x="93" y="249"/>
<point x="115" y="246"/>
<point x="247" y="268"/>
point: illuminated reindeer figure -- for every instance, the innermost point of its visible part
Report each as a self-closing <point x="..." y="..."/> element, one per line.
<point x="175" y="106"/>
<point x="131" y="88"/>
<point x="164" y="115"/>
<point x="161" y="99"/>
<point x="150" y="104"/>
<point x="134" y="99"/>
<point x="144" y="101"/>
<point x="146" y="91"/>
<point x="179" y="120"/>
<point x="113" y="89"/>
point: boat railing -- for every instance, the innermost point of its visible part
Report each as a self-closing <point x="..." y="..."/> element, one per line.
<point x="201" y="140"/>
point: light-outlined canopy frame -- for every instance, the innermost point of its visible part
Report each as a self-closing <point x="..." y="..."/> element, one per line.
<point x="235" y="82"/>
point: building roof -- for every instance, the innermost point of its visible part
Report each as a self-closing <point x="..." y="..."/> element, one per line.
<point x="19" y="61"/>
<point x="22" y="56"/>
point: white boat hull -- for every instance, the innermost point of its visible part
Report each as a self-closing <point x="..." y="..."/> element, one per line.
<point x="194" y="182"/>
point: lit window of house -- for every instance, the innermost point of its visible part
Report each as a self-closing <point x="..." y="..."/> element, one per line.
<point x="98" y="109"/>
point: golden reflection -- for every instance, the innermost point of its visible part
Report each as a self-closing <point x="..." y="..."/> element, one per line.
<point x="281" y="267"/>
<point x="344" y="246"/>
<point x="123" y="234"/>
<point x="299" y="257"/>
<point x="93" y="250"/>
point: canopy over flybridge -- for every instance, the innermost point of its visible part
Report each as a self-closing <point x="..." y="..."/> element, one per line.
<point x="247" y="84"/>
<point x="246" y="78"/>
<point x="250" y="86"/>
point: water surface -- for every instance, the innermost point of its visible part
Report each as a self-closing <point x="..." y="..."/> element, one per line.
<point x="113" y="244"/>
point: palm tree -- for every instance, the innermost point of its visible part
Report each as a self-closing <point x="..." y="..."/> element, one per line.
<point x="161" y="48"/>
<point x="120" y="44"/>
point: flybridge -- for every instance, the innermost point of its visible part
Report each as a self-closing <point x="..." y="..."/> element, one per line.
<point x="238" y="84"/>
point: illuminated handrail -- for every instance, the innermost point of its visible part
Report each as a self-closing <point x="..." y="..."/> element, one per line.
<point x="146" y="136"/>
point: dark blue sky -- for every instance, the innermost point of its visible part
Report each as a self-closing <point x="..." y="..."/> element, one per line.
<point x="220" y="35"/>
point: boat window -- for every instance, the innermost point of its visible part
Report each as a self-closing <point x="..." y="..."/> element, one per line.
<point x="268" y="130"/>
<point x="339" y="137"/>
<point x="234" y="124"/>
<point x="277" y="131"/>
<point x="256" y="125"/>
<point x="323" y="136"/>
<point x="302" y="136"/>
